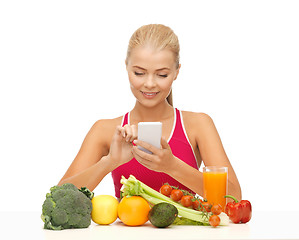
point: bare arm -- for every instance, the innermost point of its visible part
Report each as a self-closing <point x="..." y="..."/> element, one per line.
<point x="90" y="165"/>
<point x="212" y="154"/>
<point x="103" y="149"/>
<point x="211" y="150"/>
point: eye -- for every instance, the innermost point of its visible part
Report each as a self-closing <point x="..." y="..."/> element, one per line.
<point x="163" y="75"/>
<point x="138" y="73"/>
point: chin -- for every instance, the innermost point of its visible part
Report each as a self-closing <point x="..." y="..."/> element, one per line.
<point x="150" y="104"/>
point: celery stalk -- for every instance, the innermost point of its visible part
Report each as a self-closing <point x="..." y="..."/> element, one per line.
<point x="134" y="187"/>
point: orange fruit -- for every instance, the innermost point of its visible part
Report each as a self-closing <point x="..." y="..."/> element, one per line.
<point x="133" y="211"/>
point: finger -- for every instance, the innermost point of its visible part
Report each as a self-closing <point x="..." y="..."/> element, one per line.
<point x="164" y="143"/>
<point x="147" y="161"/>
<point x="123" y="132"/>
<point x="129" y="132"/>
<point x="147" y="146"/>
<point x="141" y="156"/>
<point x="118" y="131"/>
<point x="134" y="133"/>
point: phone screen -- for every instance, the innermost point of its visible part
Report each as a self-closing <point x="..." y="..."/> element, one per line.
<point x="150" y="132"/>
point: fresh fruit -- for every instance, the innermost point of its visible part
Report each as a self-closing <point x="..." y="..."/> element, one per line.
<point x="166" y="190"/>
<point x="196" y="203"/>
<point x="176" y="195"/>
<point x="133" y="186"/>
<point x="216" y="209"/>
<point x="214" y="220"/>
<point x="206" y="206"/>
<point x="186" y="200"/>
<point x="162" y="214"/>
<point x="104" y="209"/>
<point x="238" y="212"/>
<point x="133" y="211"/>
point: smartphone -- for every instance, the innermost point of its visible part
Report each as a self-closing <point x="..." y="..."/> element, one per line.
<point x="150" y="132"/>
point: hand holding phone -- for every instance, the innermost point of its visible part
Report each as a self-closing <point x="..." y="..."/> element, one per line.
<point x="150" y="132"/>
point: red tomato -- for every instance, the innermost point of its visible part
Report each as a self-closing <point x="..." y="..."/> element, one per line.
<point x="216" y="209"/>
<point x="196" y="204"/>
<point x="186" y="200"/>
<point x="166" y="190"/>
<point x="176" y="195"/>
<point x="214" y="220"/>
<point x="207" y="206"/>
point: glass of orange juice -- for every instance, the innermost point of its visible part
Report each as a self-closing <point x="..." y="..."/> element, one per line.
<point x="215" y="184"/>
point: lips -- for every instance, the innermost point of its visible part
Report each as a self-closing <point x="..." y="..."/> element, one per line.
<point x="149" y="95"/>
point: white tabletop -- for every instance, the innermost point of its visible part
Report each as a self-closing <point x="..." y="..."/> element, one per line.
<point x="263" y="225"/>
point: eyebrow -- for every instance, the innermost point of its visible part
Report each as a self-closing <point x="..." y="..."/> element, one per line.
<point x="165" y="68"/>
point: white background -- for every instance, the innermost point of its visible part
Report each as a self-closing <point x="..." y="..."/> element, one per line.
<point x="62" y="68"/>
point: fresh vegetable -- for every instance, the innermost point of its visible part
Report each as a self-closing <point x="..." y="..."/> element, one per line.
<point x="224" y="220"/>
<point x="214" y="220"/>
<point x="216" y="209"/>
<point x="67" y="207"/>
<point x="166" y="190"/>
<point x="176" y="195"/>
<point x="186" y="221"/>
<point x="206" y="205"/>
<point x="134" y="187"/>
<point x="104" y="209"/>
<point x="162" y="214"/>
<point x="238" y="212"/>
<point x="186" y="200"/>
<point x="87" y="192"/>
<point x="133" y="210"/>
<point x="196" y="203"/>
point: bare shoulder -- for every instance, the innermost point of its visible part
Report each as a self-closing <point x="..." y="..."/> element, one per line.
<point x="106" y="127"/>
<point x="107" y="124"/>
<point x="102" y="130"/>
<point x="199" y="126"/>
<point x="197" y="120"/>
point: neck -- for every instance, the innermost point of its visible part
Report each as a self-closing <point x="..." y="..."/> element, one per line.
<point x="141" y="113"/>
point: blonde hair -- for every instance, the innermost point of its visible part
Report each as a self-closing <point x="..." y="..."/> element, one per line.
<point x="158" y="36"/>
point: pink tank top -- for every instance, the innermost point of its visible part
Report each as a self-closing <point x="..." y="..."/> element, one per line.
<point x="180" y="147"/>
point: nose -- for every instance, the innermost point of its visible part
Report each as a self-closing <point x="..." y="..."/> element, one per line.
<point x="150" y="82"/>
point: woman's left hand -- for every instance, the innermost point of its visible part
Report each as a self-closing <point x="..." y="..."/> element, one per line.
<point x="161" y="159"/>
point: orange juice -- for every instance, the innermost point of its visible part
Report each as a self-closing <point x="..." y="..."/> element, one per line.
<point x="215" y="185"/>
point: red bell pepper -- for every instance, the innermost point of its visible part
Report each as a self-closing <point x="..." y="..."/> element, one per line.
<point x="238" y="212"/>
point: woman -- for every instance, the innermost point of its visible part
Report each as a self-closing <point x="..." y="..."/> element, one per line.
<point x="188" y="138"/>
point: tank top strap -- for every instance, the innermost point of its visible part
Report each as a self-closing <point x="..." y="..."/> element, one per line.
<point x="181" y="135"/>
<point x="125" y="119"/>
<point x="179" y="127"/>
<point x="180" y="148"/>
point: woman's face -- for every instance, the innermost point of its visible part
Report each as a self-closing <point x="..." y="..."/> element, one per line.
<point x="151" y="74"/>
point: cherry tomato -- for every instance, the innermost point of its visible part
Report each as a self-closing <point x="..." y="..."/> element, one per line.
<point x="214" y="220"/>
<point x="207" y="206"/>
<point x="166" y="190"/>
<point x="216" y="209"/>
<point x="176" y="195"/>
<point x="196" y="204"/>
<point x="186" y="200"/>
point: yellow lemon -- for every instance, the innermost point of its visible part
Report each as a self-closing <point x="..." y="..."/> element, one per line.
<point x="104" y="209"/>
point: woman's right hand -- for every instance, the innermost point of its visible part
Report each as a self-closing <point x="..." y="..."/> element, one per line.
<point x="121" y="145"/>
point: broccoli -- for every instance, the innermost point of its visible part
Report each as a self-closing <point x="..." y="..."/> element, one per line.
<point x="67" y="207"/>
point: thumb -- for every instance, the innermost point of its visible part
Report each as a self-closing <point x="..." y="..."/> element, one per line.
<point x="118" y="133"/>
<point x="164" y="143"/>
